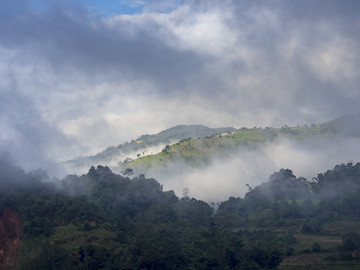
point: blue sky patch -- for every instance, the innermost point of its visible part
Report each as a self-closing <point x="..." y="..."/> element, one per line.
<point x="103" y="8"/>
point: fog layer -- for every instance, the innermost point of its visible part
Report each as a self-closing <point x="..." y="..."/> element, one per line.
<point x="230" y="176"/>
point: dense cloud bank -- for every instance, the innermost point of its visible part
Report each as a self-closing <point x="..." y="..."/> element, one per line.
<point x="74" y="82"/>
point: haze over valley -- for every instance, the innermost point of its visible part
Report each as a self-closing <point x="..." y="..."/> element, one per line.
<point x="179" y="134"/>
<point x="222" y="163"/>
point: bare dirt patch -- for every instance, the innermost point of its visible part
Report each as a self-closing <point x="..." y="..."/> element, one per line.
<point x="10" y="228"/>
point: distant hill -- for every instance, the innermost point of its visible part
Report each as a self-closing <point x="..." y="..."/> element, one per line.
<point x="181" y="132"/>
<point x="200" y="152"/>
<point x="146" y="144"/>
<point x="197" y="145"/>
<point x="348" y="125"/>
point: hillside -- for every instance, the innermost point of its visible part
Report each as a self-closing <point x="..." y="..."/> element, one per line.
<point x="197" y="145"/>
<point x="348" y="125"/>
<point x="201" y="151"/>
<point x="146" y="144"/>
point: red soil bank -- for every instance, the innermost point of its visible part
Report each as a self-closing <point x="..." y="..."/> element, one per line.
<point x="10" y="228"/>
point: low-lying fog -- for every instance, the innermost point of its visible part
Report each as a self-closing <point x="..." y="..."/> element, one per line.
<point x="114" y="161"/>
<point x="228" y="177"/>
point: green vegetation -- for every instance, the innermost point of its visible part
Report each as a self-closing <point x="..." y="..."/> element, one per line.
<point x="164" y="137"/>
<point x="199" y="152"/>
<point x="113" y="222"/>
<point x="101" y="220"/>
<point x="317" y="222"/>
<point x="198" y="145"/>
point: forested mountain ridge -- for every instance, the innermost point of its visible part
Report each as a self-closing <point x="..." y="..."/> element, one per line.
<point x="201" y="151"/>
<point x="141" y="144"/>
<point x="197" y="145"/>
<point x="101" y="220"/>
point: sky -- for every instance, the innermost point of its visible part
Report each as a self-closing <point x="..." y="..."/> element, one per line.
<point x="78" y="76"/>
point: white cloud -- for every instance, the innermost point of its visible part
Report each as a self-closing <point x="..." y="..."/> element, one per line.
<point x="218" y="63"/>
<point x="335" y="60"/>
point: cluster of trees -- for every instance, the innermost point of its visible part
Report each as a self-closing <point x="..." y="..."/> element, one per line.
<point x="143" y="227"/>
<point x="285" y="198"/>
<point x="114" y="222"/>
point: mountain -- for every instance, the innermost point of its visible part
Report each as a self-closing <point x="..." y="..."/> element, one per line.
<point x="197" y="145"/>
<point x="146" y="144"/>
<point x="201" y="151"/>
<point x="348" y="125"/>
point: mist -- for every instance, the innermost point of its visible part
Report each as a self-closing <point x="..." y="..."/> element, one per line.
<point x="75" y="80"/>
<point x="114" y="160"/>
<point x="230" y="176"/>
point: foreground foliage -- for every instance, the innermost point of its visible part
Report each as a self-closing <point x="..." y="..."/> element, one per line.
<point x="101" y="220"/>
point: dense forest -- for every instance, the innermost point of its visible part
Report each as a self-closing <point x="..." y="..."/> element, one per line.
<point x="101" y="220"/>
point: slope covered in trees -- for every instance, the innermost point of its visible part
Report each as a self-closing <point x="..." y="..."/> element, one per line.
<point x="203" y="151"/>
<point x="200" y="152"/>
<point x="198" y="146"/>
<point x="106" y="221"/>
<point x="101" y="220"/>
<point x="142" y="143"/>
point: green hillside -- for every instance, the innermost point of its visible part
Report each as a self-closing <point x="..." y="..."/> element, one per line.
<point x="197" y="145"/>
<point x="176" y="133"/>
<point x="198" y="152"/>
